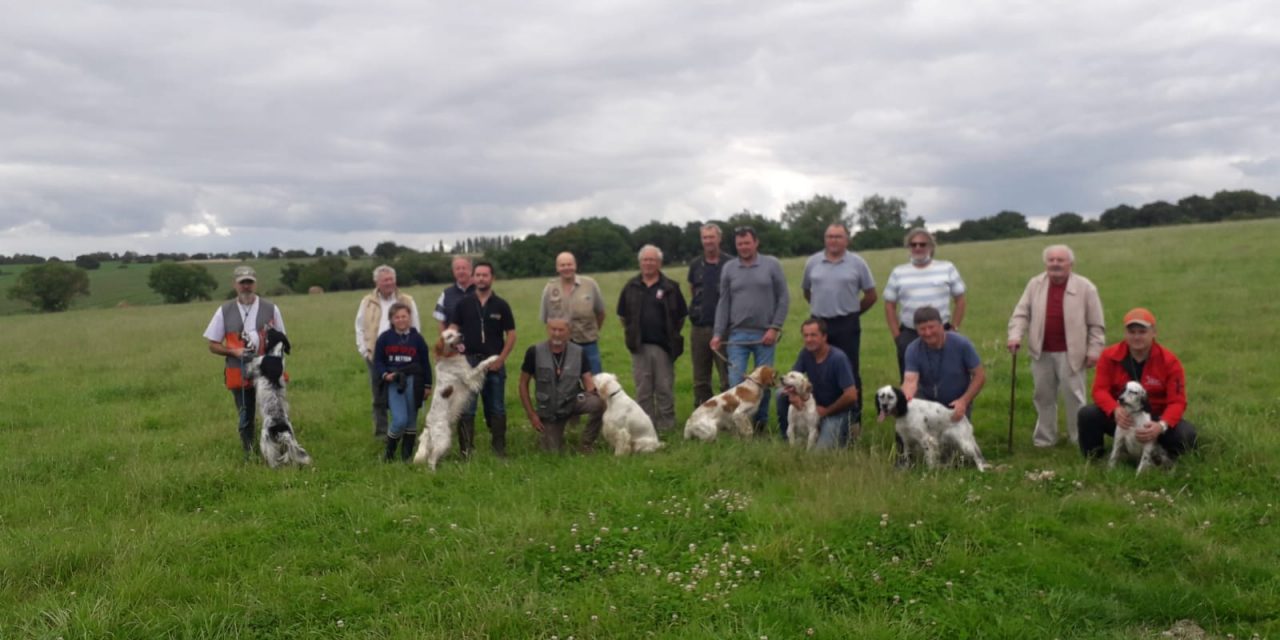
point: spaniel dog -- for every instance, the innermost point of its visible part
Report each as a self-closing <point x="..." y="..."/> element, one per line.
<point x="731" y="410"/>
<point x="456" y="383"/>
<point x="802" y="421"/>
<point x="277" y="444"/>
<point x="626" y="426"/>
<point x="1134" y="401"/>
<point x="926" y="429"/>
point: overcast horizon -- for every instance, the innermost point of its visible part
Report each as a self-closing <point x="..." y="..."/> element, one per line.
<point x="190" y="127"/>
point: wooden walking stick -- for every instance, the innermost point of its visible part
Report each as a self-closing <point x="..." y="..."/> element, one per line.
<point x="1013" y="390"/>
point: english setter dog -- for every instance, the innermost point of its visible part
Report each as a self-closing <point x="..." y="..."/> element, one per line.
<point x="626" y="426"/>
<point x="456" y="382"/>
<point x="1134" y="401"/>
<point x="802" y="421"/>
<point x="732" y="410"/>
<point x="278" y="444"/>
<point x="926" y="429"/>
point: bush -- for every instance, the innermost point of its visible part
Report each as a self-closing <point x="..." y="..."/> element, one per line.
<point x="178" y="283"/>
<point x="50" y="286"/>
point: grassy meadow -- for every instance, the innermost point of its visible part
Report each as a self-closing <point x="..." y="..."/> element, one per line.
<point x="129" y="514"/>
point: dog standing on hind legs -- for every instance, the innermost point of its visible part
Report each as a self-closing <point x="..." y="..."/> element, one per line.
<point x="278" y="444"/>
<point x="1134" y="401"/>
<point x="456" y="383"/>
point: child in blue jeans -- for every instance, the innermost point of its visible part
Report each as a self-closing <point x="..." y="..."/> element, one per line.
<point x="400" y="359"/>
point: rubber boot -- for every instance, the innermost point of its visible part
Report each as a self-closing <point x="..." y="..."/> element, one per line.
<point x="498" y="434"/>
<point x="466" y="435"/>
<point x="407" y="444"/>
<point x="390" y="453"/>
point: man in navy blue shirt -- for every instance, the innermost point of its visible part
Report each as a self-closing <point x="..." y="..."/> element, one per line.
<point x="942" y="366"/>
<point x="834" y="390"/>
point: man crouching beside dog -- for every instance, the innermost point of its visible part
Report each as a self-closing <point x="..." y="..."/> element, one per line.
<point x="563" y="386"/>
<point x="1141" y="359"/>
<point x="237" y="332"/>
<point x="835" y="391"/>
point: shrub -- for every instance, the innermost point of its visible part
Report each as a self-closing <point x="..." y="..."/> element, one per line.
<point x="50" y="286"/>
<point x="178" y="283"/>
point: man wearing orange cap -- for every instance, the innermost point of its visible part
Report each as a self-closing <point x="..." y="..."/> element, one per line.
<point x="1139" y="358"/>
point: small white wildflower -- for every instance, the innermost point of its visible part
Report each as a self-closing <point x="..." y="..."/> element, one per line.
<point x="340" y="623"/>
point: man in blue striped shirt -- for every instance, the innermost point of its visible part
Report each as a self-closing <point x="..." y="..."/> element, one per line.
<point x="923" y="282"/>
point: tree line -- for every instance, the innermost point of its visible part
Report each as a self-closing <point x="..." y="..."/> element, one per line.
<point x="602" y="245"/>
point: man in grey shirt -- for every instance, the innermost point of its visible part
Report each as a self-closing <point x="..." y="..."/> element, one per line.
<point x="839" y="287"/>
<point x="751" y="311"/>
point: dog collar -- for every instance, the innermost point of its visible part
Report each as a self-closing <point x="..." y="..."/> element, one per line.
<point x="615" y="392"/>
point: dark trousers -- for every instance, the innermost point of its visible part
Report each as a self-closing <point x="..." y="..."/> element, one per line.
<point x="246" y="408"/>
<point x="704" y="361"/>
<point x="845" y="332"/>
<point x="589" y="405"/>
<point x="904" y="339"/>
<point x="380" y="406"/>
<point x="1094" y="424"/>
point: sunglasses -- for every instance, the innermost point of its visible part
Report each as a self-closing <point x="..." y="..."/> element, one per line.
<point x="741" y="230"/>
<point x="919" y="244"/>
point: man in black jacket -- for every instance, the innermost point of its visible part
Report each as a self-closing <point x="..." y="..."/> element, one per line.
<point x="653" y="310"/>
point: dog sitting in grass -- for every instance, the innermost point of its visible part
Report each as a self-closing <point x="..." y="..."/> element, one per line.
<point x="278" y="443"/>
<point x="802" y="421"/>
<point x="626" y="426"/>
<point x="731" y="410"/>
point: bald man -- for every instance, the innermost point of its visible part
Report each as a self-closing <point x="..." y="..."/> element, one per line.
<point x="577" y="298"/>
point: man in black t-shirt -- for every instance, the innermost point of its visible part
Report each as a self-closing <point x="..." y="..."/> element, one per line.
<point x="488" y="329"/>
<point x="563" y="386"/>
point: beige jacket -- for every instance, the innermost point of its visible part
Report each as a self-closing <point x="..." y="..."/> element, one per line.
<point x="369" y="318"/>
<point x="1081" y="315"/>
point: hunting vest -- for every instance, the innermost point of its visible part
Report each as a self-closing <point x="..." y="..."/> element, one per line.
<point x="556" y="396"/>
<point x="236" y="370"/>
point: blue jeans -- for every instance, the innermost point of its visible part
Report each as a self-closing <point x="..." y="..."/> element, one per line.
<point x="404" y="409"/>
<point x="592" y="351"/>
<point x="493" y="394"/>
<point x="246" y="407"/>
<point x="833" y="431"/>
<point x="738" y="353"/>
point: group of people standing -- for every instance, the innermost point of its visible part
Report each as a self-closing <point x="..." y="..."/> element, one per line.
<point x="737" y="312"/>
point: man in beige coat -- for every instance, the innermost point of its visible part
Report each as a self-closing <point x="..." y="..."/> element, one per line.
<point x="1061" y="314"/>
<point x="371" y="321"/>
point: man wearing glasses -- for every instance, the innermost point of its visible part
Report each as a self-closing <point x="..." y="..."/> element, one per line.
<point x="751" y="311"/>
<point x="922" y="282"/>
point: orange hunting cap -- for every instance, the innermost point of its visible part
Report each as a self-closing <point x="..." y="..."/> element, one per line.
<point x="1139" y="316"/>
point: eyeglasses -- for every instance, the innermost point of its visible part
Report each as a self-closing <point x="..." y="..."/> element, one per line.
<point x="247" y="282"/>
<point x="919" y="244"/>
<point x="744" y="229"/>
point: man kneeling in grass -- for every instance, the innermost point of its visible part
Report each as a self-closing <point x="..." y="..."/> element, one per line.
<point x="563" y="385"/>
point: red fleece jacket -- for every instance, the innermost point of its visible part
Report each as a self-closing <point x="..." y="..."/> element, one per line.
<point x="1162" y="377"/>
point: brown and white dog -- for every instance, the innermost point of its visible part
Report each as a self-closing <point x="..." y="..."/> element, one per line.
<point x="731" y="410"/>
<point x="456" y="382"/>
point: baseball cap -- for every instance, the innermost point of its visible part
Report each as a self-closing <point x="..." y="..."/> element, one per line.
<point x="1139" y="316"/>
<point x="245" y="272"/>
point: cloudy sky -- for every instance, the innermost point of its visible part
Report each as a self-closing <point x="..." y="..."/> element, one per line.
<point x="175" y="125"/>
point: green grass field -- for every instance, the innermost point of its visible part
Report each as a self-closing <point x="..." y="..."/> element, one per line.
<point x="128" y="513"/>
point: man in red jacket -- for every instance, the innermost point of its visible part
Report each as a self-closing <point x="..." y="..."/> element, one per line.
<point x="1141" y="359"/>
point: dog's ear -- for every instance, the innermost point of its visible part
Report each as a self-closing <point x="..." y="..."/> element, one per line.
<point x="439" y="348"/>
<point x="901" y="408"/>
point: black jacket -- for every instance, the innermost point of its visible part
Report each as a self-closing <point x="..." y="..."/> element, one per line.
<point x="632" y="298"/>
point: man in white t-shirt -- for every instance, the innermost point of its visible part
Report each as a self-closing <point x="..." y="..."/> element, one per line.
<point x="922" y="282"/>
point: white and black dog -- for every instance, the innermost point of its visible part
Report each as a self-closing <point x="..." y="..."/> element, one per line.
<point x="456" y="383"/>
<point x="277" y="444"/>
<point x="926" y="428"/>
<point x="1134" y="401"/>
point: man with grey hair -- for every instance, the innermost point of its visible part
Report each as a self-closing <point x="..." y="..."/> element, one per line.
<point x="1061" y="314"/>
<point x="922" y="282"/>
<point x="704" y="294"/>
<point x="371" y="321"/>
<point x="753" y="307"/>
<point x="652" y="311"/>
<point x="462" y="269"/>
<point x="237" y="332"/>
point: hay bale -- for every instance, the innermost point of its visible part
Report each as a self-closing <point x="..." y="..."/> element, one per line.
<point x="315" y="289"/>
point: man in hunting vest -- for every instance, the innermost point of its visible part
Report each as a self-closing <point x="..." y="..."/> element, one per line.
<point x="237" y="330"/>
<point x="371" y="321"/>
<point x="563" y="387"/>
